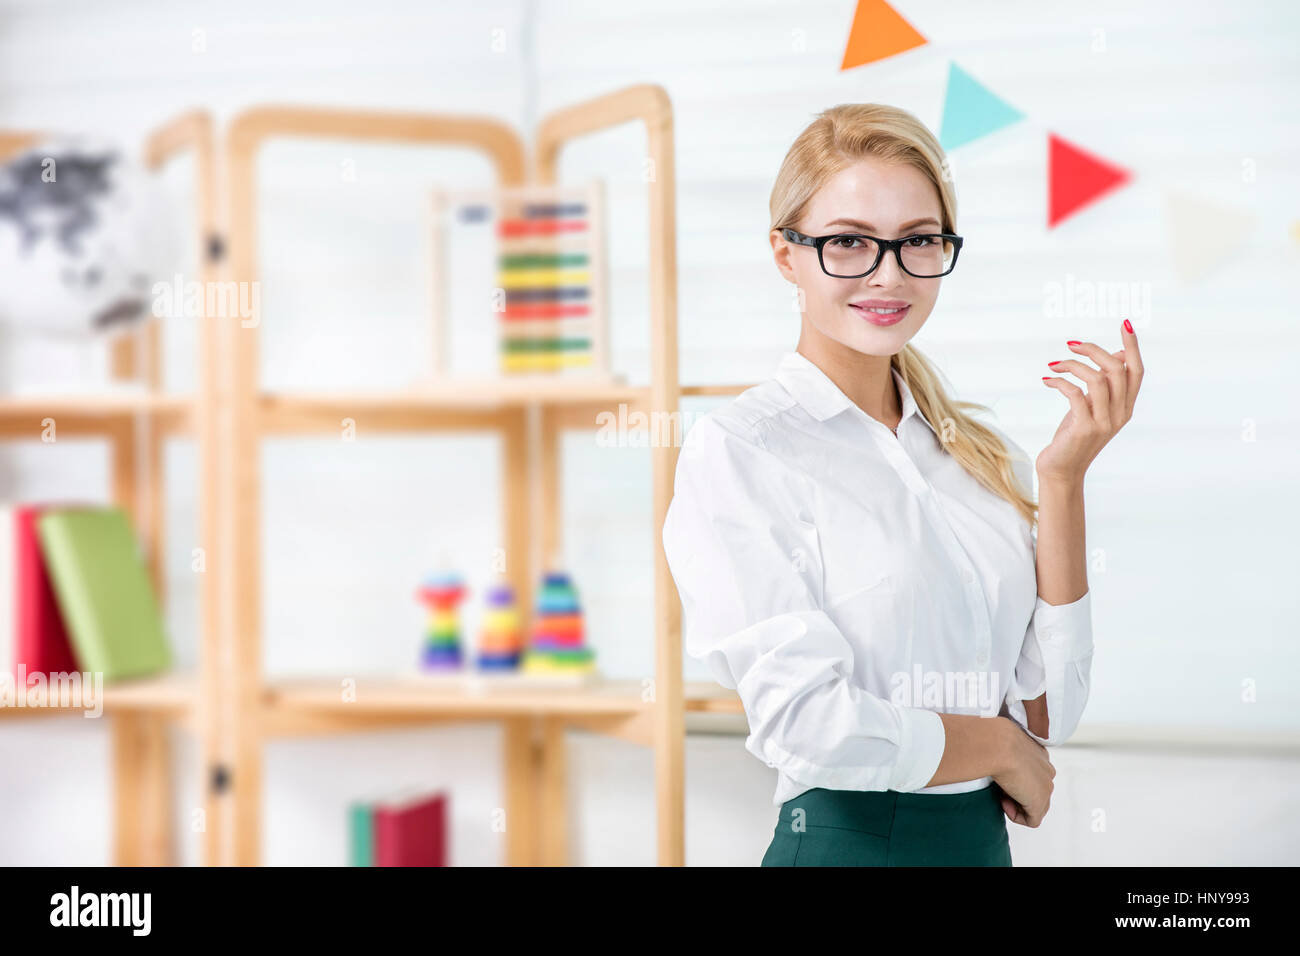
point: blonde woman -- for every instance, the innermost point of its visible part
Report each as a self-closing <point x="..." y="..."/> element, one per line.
<point x="857" y="555"/>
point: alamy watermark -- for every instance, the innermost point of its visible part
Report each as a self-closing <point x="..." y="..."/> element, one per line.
<point x="950" y="690"/>
<point x="67" y="690"/>
<point x="1088" y="299"/>
<point x="633" y="428"/>
<point x="220" y="300"/>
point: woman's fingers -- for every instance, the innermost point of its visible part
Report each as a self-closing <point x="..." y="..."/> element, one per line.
<point x="1012" y="810"/>
<point x="1078" y="400"/>
<point x="1107" y="361"/>
<point x="1133" y="365"/>
<point x="1098" y="388"/>
<point x="1108" y="384"/>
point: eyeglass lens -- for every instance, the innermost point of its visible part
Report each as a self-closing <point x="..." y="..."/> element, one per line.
<point x="923" y="256"/>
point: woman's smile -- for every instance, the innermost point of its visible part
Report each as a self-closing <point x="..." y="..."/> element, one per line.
<point x="881" y="311"/>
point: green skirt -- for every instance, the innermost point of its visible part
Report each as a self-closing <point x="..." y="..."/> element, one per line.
<point x="886" y="828"/>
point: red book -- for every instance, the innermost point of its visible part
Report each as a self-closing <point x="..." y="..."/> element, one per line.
<point x="412" y="832"/>
<point x="40" y="641"/>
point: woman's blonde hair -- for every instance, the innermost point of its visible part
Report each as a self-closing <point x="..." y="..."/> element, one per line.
<point x="838" y="137"/>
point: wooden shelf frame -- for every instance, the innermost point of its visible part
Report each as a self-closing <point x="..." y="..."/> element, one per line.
<point x="650" y="105"/>
<point x="136" y="423"/>
<point x="528" y="416"/>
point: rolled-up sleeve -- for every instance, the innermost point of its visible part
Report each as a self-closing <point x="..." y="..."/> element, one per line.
<point x="745" y="556"/>
<point x="1056" y="657"/>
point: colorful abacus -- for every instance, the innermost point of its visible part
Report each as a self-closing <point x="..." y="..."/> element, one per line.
<point x="557" y="639"/>
<point x="442" y="593"/>
<point x="501" y="636"/>
<point x="550" y="271"/>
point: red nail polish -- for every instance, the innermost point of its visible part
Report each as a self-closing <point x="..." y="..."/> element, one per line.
<point x="1073" y="342"/>
<point x="1127" y="327"/>
<point x="1046" y="377"/>
<point x="1053" y="364"/>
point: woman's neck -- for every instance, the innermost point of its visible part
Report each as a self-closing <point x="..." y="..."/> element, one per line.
<point x="867" y="380"/>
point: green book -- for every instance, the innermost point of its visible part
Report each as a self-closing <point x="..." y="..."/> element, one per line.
<point x="103" y="592"/>
<point x="361" y="827"/>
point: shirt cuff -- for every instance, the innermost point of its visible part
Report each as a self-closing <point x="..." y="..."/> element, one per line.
<point x="1066" y="628"/>
<point x="920" y="747"/>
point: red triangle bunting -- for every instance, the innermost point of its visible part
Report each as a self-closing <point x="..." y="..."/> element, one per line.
<point x="1076" y="178"/>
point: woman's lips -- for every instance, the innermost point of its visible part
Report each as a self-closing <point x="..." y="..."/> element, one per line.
<point x="876" y="318"/>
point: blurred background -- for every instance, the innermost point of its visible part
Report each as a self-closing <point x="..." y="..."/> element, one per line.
<point x="1119" y="161"/>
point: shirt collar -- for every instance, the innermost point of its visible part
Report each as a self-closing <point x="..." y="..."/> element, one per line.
<point x="822" y="398"/>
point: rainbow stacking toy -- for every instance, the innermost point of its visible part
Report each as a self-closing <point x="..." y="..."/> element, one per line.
<point x="442" y="593"/>
<point x="557" y="639"/>
<point x="501" y="636"/>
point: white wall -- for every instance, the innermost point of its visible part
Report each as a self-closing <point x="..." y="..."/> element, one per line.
<point x="1191" y="523"/>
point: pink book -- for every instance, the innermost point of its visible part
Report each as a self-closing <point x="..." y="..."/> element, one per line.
<point x="40" y="641"/>
<point x="412" y="831"/>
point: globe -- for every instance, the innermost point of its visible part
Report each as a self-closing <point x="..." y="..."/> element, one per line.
<point x="85" y="233"/>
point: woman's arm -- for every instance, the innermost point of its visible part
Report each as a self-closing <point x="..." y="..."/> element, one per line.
<point x="1093" y="419"/>
<point x="974" y="747"/>
<point x="1061" y="561"/>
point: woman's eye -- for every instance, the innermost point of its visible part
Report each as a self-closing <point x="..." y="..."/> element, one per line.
<point x="924" y="241"/>
<point x="845" y="242"/>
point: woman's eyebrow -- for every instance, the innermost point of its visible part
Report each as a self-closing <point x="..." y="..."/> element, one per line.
<point x="867" y="227"/>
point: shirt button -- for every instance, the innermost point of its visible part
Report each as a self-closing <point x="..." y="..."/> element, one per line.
<point x="968" y="577"/>
<point x="982" y="658"/>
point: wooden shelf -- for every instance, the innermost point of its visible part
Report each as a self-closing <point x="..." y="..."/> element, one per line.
<point x="447" y="404"/>
<point x="410" y="696"/>
<point x="315" y="706"/>
<point x="385" y="694"/>
<point x="23" y="415"/>
<point x="169" y="695"/>
<point x="717" y="391"/>
<point x="706" y="697"/>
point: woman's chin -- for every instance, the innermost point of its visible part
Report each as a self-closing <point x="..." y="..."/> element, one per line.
<point x="866" y="337"/>
<point x="875" y="340"/>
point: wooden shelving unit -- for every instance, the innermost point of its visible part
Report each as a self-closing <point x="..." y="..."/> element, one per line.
<point x="135" y="424"/>
<point x="529" y="419"/>
<point x="230" y="702"/>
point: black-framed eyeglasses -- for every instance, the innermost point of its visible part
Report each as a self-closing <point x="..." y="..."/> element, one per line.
<point x="852" y="255"/>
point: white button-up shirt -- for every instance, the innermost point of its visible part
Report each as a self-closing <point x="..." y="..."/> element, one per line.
<point x="850" y="584"/>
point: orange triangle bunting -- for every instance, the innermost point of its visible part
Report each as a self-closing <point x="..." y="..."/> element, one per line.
<point x="878" y="31"/>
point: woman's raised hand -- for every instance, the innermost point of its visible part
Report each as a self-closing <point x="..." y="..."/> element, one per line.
<point x="1096" y="415"/>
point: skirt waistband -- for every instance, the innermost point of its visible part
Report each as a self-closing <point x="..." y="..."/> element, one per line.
<point x="822" y="827"/>
<point x="872" y="811"/>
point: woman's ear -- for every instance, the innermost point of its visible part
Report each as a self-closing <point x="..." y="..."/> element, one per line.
<point x="781" y="255"/>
